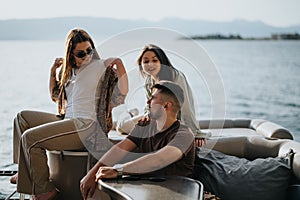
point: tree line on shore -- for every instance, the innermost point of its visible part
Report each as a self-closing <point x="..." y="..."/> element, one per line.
<point x="283" y="36"/>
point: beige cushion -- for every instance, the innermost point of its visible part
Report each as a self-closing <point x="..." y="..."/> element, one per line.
<point x="260" y="126"/>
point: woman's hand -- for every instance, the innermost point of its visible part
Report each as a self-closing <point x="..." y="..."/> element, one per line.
<point x="200" y="142"/>
<point x="52" y="80"/>
<point x="117" y="65"/>
<point x="57" y="63"/>
<point x="144" y="121"/>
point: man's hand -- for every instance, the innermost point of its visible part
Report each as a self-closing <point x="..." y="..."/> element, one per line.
<point x="88" y="185"/>
<point x="106" y="172"/>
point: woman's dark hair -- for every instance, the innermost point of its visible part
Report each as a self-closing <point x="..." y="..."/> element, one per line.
<point x="167" y="71"/>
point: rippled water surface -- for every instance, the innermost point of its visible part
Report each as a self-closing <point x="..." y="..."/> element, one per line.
<point x="261" y="80"/>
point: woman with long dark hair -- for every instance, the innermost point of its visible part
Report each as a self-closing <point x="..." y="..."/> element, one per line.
<point x="154" y="65"/>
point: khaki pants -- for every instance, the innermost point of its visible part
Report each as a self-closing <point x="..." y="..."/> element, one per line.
<point x="26" y="120"/>
<point x="36" y="132"/>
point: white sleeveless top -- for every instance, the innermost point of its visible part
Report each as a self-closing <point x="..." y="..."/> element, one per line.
<point x="81" y="91"/>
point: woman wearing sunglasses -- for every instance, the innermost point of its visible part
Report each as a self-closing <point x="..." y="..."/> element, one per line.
<point x="76" y="88"/>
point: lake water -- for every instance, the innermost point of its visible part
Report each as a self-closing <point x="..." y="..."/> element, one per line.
<point x="260" y="78"/>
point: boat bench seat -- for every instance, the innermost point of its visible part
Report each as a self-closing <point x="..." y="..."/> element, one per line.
<point x="239" y="137"/>
<point x="252" y="147"/>
<point x="253" y="126"/>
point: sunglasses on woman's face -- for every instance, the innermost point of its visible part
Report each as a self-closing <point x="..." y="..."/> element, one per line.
<point x="82" y="54"/>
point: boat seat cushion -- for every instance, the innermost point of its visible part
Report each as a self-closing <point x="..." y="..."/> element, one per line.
<point x="230" y="177"/>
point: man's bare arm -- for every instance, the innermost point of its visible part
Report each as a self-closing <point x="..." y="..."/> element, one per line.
<point x="114" y="155"/>
<point x="145" y="164"/>
<point x="153" y="161"/>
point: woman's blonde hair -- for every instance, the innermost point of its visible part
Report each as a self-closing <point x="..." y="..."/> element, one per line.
<point x="74" y="37"/>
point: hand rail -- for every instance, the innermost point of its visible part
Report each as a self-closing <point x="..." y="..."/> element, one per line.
<point x="7" y="172"/>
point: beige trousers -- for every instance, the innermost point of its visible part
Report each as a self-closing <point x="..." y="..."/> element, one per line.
<point x="36" y="132"/>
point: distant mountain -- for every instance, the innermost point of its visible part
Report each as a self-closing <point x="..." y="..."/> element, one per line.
<point x="56" y="28"/>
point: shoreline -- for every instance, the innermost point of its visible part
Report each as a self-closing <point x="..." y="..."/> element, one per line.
<point x="285" y="36"/>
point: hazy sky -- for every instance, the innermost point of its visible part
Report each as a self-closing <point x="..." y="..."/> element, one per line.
<point x="273" y="12"/>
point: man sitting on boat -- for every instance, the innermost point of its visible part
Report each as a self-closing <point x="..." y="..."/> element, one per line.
<point x="166" y="146"/>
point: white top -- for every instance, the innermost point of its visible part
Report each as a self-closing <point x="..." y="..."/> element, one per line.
<point x="81" y="91"/>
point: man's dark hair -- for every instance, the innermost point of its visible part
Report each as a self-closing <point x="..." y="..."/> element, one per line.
<point x="172" y="90"/>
